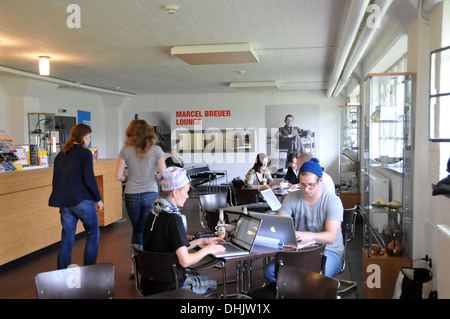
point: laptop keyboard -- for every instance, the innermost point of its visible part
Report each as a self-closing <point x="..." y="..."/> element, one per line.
<point x="230" y="248"/>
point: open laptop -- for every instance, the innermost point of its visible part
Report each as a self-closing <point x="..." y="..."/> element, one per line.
<point x="276" y="229"/>
<point x="271" y="202"/>
<point x="271" y="199"/>
<point x="244" y="236"/>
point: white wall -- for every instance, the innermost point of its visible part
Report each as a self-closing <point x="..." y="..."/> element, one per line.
<point x="111" y="114"/>
<point x="19" y="96"/>
<point x="429" y="211"/>
<point x="247" y="111"/>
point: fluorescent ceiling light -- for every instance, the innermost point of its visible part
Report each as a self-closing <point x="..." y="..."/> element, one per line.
<point x="44" y="65"/>
<point x="216" y="53"/>
<point x="261" y="85"/>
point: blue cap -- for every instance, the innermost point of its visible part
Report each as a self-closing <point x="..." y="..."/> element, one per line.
<point x="312" y="166"/>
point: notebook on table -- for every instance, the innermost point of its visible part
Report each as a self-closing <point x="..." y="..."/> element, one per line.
<point x="241" y="243"/>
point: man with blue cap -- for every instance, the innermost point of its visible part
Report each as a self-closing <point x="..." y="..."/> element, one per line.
<point x="317" y="215"/>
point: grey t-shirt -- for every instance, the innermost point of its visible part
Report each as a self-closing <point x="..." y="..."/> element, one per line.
<point x="141" y="174"/>
<point x="313" y="218"/>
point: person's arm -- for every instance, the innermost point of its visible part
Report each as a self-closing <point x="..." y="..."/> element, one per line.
<point x="161" y="163"/>
<point x="120" y="170"/>
<point x="185" y="258"/>
<point x="328" y="236"/>
<point x="89" y="177"/>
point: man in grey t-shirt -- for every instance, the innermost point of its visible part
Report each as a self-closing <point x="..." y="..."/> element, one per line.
<point x="317" y="215"/>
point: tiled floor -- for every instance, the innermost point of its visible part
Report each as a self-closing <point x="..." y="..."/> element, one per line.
<point x="17" y="278"/>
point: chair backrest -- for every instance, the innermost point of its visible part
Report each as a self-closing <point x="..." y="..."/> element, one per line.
<point x="209" y="204"/>
<point x="348" y="228"/>
<point x="85" y="282"/>
<point x="348" y="224"/>
<point x="296" y="283"/>
<point x="311" y="258"/>
<point x="162" y="267"/>
<point x="246" y="196"/>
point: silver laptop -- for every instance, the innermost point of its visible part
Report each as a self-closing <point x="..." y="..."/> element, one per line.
<point x="242" y="241"/>
<point x="277" y="229"/>
<point x="271" y="199"/>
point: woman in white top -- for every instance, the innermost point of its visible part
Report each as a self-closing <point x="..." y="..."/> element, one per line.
<point x="143" y="159"/>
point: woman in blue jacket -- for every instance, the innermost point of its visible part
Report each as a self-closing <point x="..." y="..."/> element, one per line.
<point x="75" y="192"/>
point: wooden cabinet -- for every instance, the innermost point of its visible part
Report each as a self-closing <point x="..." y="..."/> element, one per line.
<point x="28" y="224"/>
<point x="379" y="275"/>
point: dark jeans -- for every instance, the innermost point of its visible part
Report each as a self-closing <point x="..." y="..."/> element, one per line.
<point x="138" y="207"/>
<point x="86" y="212"/>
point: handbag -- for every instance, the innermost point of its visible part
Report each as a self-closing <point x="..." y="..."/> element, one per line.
<point x="415" y="282"/>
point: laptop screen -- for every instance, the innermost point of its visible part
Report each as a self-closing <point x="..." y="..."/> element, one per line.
<point x="246" y="230"/>
<point x="271" y="199"/>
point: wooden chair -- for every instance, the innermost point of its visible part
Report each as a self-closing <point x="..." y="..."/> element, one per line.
<point x="246" y="196"/>
<point x="296" y="283"/>
<point x="311" y="259"/>
<point x="164" y="267"/>
<point x="348" y="233"/>
<point x="85" y="282"/>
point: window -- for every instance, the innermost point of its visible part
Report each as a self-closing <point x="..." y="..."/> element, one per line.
<point x="439" y="130"/>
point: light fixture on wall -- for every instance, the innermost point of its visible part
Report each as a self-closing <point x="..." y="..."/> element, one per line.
<point x="44" y="65"/>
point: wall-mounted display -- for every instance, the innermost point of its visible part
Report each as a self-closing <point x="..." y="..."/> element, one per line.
<point x="388" y="155"/>
<point x="216" y="140"/>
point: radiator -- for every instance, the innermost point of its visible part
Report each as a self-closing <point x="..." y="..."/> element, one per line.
<point x="443" y="261"/>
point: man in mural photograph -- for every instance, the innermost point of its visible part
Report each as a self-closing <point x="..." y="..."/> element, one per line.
<point x="290" y="137"/>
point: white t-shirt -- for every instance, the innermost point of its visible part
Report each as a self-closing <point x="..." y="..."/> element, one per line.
<point x="328" y="183"/>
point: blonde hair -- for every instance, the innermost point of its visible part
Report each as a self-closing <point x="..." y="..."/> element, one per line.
<point x="142" y="136"/>
<point x="77" y="134"/>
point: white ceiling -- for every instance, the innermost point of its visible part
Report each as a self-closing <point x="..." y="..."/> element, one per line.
<point x="125" y="45"/>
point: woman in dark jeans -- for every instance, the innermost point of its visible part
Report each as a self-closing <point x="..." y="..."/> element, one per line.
<point x="143" y="159"/>
<point x="75" y="192"/>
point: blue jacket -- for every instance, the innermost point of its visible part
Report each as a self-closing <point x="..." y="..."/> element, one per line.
<point x="73" y="178"/>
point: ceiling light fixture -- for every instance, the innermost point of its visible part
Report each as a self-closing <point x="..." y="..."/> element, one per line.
<point x="255" y="86"/>
<point x="230" y="53"/>
<point x="44" y="65"/>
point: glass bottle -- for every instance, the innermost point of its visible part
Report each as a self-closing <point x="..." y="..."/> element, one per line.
<point x="393" y="232"/>
<point x="221" y="231"/>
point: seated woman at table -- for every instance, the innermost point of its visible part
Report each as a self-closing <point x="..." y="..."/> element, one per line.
<point x="259" y="177"/>
<point x="291" y="176"/>
<point x="165" y="231"/>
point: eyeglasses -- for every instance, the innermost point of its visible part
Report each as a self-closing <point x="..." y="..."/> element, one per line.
<point x="308" y="186"/>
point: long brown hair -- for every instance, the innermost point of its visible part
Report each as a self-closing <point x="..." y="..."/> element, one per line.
<point x="142" y="136"/>
<point x="259" y="161"/>
<point x="77" y="134"/>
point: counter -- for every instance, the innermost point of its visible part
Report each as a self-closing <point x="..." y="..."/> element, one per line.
<point x="28" y="224"/>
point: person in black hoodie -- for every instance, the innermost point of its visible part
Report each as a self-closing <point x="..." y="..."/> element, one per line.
<point x="75" y="192"/>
